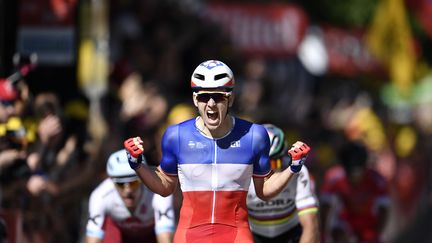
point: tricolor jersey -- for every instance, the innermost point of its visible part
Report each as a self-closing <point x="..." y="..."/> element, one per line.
<point x="280" y="214"/>
<point x="154" y="214"/>
<point x="214" y="174"/>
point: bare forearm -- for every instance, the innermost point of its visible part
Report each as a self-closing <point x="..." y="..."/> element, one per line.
<point x="309" y="236"/>
<point x="156" y="181"/>
<point x="90" y="239"/>
<point x="165" y="237"/>
<point x="310" y="225"/>
<point x="276" y="183"/>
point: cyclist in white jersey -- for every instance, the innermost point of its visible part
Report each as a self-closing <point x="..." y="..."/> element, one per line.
<point x="292" y="216"/>
<point x="121" y="209"/>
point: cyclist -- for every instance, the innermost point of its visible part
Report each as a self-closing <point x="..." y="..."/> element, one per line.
<point x="214" y="156"/>
<point x="121" y="209"/>
<point x="291" y="216"/>
<point x="354" y="198"/>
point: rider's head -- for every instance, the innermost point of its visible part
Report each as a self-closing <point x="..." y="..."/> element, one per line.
<point x="353" y="157"/>
<point x="212" y="83"/>
<point x="212" y="74"/>
<point x="278" y="146"/>
<point x="124" y="178"/>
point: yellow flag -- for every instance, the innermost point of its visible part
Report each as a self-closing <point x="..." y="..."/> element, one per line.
<point x="389" y="39"/>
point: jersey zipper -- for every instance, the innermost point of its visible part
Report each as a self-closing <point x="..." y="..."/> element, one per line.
<point x="214" y="181"/>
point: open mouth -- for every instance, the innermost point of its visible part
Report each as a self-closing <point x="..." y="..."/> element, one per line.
<point x="212" y="115"/>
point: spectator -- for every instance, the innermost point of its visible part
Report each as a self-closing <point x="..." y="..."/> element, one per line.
<point x="253" y="90"/>
<point x="9" y="97"/>
<point x="13" y="145"/>
<point x="143" y="110"/>
<point x="60" y="164"/>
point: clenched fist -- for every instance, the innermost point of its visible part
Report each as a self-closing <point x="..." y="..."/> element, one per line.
<point x="298" y="154"/>
<point x="134" y="150"/>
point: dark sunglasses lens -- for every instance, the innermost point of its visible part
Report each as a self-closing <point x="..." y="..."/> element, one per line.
<point x="206" y="97"/>
<point x="8" y="102"/>
<point x="203" y="98"/>
<point x="218" y="97"/>
<point x="133" y="184"/>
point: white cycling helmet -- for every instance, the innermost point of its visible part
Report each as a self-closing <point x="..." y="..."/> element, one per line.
<point x="118" y="167"/>
<point x="278" y="145"/>
<point x="212" y="74"/>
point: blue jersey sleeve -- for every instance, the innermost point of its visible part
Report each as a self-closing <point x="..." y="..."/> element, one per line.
<point x="170" y="148"/>
<point x="261" y="148"/>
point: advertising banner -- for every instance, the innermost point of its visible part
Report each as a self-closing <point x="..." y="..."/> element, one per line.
<point x="347" y="52"/>
<point x="270" y="30"/>
<point x="47" y="28"/>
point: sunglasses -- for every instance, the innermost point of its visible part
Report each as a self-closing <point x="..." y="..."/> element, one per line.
<point x="217" y="97"/>
<point x="8" y="102"/>
<point x="133" y="185"/>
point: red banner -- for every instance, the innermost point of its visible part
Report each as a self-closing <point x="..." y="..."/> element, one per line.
<point x="47" y="12"/>
<point x="347" y="53"/>
<point x="256" y="29"/>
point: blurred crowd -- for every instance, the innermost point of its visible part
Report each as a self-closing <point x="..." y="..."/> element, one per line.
<point x="53" y="152"/>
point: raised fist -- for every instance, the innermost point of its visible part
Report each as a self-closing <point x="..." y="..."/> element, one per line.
<point x="298" y="154"/>
<point x="134" y="150"/>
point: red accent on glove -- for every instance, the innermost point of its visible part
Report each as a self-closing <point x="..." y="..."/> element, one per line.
<point x="299" y="150"/>
<point x="134" y="146"/>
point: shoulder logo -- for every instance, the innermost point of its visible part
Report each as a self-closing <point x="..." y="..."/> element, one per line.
<point x="191" y="144"/>
<point x="235" y="144"/>
<point x="198" y="145"/>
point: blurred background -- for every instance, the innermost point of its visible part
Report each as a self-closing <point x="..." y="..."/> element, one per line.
<point x="77" y="77"/>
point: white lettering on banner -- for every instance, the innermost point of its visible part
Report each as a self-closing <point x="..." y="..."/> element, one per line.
<point x="261" y="29"/>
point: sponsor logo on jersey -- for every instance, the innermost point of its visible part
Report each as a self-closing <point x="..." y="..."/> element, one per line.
<point x="94" y="219"/>
<point x="275" y="202"/>
<point x="191" y="144"/>
<point x="235" y="144"/>
<point x="167" y="213"/>
<point x="197" y="145"/>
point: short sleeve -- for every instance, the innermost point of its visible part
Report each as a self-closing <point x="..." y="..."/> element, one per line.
<point x="305" y="196"/>
<point x="170" y="145"/>
<point x="261" y="148"/>
<point x="163" y="213"/>
<point x="96" y="216"/>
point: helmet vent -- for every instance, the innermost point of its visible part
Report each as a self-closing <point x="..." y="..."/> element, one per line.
<point x="199" y="76"/>
<point x="221" y="76"/>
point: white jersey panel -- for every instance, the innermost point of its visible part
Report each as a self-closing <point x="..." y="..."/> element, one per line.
<point x="280" y="214"/>
<point x="220" y="177"/>
<point x="164" y="215"/>
<point x="305" y="194"/>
